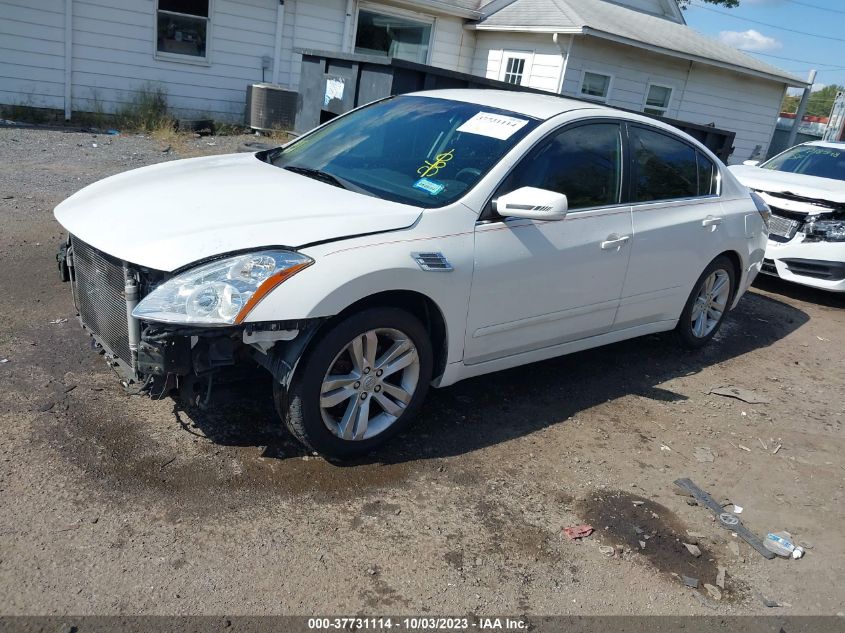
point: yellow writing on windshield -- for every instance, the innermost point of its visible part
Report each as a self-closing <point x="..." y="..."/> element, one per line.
<point x="430" y="168"/>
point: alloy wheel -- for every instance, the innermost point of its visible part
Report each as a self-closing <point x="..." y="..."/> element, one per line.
<point x="369" y="384"/>
<point x="710" y="303"/>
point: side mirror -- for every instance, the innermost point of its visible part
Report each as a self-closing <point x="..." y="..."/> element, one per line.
<point x="751" y="163"/>
<point x="532" y="203"/>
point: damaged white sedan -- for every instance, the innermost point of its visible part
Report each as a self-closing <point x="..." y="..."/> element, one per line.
<point x="805" y="189"/>
<point x="416" y="241"/>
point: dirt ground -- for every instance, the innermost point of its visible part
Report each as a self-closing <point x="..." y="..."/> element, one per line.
<point x="114" y="504"/>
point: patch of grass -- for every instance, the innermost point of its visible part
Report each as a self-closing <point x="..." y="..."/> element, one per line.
<point x="147" y="112"/>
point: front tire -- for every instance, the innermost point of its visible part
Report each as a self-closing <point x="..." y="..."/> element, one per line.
<point x="708" y="304"/>
<point x="359" y="384"/>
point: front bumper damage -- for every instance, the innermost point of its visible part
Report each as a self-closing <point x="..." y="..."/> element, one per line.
<point x="794" y="253"/>
<point x="158" y="358"/>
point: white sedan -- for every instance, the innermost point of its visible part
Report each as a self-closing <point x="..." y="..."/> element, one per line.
<point x="805" y="189"/>
<point x="416" y="241"/>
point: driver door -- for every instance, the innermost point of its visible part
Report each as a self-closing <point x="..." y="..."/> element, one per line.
<point x="540" y="283"/>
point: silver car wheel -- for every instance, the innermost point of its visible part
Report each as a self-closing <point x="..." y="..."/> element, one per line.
<point x="369" y="384"/>
<point x="710" y="303"/>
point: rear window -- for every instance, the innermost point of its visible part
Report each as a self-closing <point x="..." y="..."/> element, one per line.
<point x="664" y="168"/>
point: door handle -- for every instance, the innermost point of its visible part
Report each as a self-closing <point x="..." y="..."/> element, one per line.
<point x="711" y="221"/>
<point x="615" y="242"/>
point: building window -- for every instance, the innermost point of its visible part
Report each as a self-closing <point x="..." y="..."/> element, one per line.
<point x="657" y="100"/>
<point x="595" y="85"/>
<point x="392" y="36"/>
<point x="514" y="68"/>
<point x="182" y="27"/>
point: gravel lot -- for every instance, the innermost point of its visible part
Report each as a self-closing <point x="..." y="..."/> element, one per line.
<point x="121" y="505"/>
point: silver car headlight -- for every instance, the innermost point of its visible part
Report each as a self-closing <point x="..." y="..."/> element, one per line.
<point x="221" y="292"/>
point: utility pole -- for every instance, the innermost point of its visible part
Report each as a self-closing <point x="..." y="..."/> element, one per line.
<point x="802" y="108"/>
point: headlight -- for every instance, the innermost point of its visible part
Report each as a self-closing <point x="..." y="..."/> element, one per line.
<point x="221" y="292"/>
<point x="826" y="230"/>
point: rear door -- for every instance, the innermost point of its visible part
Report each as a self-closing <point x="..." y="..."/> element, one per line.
<point x="677" y="217"/>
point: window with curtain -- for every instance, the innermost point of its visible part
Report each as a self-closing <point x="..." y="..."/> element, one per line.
<point x="392" y="36"/>
<point x="182" y="27"/>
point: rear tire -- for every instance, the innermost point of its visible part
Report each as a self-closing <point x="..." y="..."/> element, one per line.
<point x="359" y="384"/>
<point x="708" y="304"/>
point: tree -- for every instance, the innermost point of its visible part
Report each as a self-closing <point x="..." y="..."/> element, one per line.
<point x="820" y="103"/>
<point x="730" y="4"/>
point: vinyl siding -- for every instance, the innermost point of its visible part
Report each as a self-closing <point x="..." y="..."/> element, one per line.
<point x="32" y="53"/>
<point x="114" y="55"/>
<point x="544" y="55"/>
<point x="700" y="94"/>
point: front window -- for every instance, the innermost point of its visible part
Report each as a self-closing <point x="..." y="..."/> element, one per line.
<point x="810" y="160"/>
<point x="595" y="85"/>
<point x="392" y="36"/>
<point x="182" y="27"/>
<point x="413" y="150"/>
<point x="584" y="163"/>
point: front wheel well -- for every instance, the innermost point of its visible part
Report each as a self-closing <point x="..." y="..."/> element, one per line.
<point x="417" y="304"/>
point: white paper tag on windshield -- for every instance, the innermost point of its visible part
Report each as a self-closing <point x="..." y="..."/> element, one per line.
<point x="494" y="125"/>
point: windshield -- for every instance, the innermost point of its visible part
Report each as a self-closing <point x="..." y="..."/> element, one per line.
<point x="811" y="160"/>
<point x="414" y="150"/>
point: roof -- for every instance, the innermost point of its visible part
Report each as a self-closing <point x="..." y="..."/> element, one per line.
<point x="532" y="104"/>
<point x="537" y="106"/>
<point x="610" y="21"/>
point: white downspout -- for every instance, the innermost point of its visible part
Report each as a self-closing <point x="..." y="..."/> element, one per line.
<point x="68" y="57"/>
<point x="346" y="46"/>
<point x="556" y="38"/>
<point x="277" y="49"/>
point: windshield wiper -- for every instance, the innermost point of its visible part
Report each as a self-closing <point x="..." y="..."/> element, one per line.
<point x="318" y="174"/>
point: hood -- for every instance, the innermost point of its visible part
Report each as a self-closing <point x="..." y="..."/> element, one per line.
<point x="824" y="189"/>
<point x="169" y="215"/>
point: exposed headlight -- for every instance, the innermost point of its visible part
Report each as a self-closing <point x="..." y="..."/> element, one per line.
<point x="826" y="230"/>
<point x="221" y="292"/>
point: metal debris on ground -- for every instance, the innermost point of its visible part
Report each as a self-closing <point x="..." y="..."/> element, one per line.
<point x="740" y="394"/>
<point x="745" y="448"/>
<point x="777" y="448"/>
<point x="693" y="549"/>
<point x="4" y="360"/>
<point x="703" y="454"/>
<point x="738" y="509"/>
<point x="727" y="520"/>
<point x="57" y="321"/>
<point x="578" y="531"/>
<point x="690" y="582"/>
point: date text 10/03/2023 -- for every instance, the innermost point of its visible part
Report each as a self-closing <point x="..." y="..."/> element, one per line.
<point x="418" y="624"/>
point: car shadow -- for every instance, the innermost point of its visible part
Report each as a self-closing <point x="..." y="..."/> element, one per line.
<point x="784" y="288"/>
<point x="498" y="407"/>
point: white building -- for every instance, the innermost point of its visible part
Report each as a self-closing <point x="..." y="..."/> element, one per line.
<point x="94" y="55"/>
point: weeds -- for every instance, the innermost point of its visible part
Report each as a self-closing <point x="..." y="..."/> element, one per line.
<point x="147" y="112"/>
